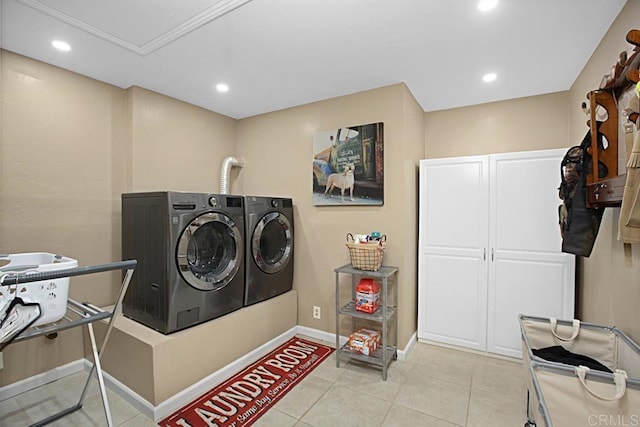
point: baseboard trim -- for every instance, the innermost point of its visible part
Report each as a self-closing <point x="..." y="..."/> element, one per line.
<point x="320" y="335"/>
<point x="11" y="390"/>
<point x="134" y="399"/>
<point x="331" y="338"/>
<point x="187" y="395"/>
<point x="182" y="398"/>
<point x="471" y="350"/>
<point x="404" y="353"/>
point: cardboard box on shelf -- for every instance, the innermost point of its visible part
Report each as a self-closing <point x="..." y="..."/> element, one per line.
<point x="364" y="341"/>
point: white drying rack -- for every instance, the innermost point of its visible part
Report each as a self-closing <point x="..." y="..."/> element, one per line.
<point x="78" y="314"/>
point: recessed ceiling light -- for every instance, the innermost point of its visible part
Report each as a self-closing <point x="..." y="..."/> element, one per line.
<point x="60" y="45"/>
<point x="489" y="77"/>
<point x="485" y="5"/>
<point x="221" y="87"/>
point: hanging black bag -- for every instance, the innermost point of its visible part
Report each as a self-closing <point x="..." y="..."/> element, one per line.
<point x="579" y="224"/>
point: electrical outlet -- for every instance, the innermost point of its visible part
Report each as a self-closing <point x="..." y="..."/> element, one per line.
<point x="316" y="312"/>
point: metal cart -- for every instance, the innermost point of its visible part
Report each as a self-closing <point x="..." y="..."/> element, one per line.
<point x="78" y="314"/>
<point x="551" y="383"/>
<point x="385" y="316"/>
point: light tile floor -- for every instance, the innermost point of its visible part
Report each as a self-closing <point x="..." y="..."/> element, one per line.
<point x="435" y="387"/>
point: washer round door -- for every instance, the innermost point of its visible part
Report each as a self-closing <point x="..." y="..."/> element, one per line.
<point x="209" y="251"/>
<point x="272" y="242"/>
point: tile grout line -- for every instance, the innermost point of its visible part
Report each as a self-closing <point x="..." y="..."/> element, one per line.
<point x="431" y="415"/>
<point x="319" y="397"/>
<point x="473" y="374"/>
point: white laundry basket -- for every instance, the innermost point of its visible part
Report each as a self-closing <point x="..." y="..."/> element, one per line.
<point x="50" y="294"/>
<point x="560" y="383"/>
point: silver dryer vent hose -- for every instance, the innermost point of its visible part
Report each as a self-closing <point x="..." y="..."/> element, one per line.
<point x="225" y="171"/>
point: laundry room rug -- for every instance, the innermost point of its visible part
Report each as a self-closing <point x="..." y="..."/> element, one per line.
<point x="245" y="397"/>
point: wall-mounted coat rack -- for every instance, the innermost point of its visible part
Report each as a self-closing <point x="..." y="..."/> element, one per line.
<point x="605" y="186"/>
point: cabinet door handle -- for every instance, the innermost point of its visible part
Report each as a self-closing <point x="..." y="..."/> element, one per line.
<point x="484" y="254"/>
<point x="491" y="254"/>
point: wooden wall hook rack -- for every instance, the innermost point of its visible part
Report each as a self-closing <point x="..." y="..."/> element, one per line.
<point x="606" y="189"/>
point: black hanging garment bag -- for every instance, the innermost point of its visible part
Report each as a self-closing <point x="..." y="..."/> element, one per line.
<point x="578" y="224"/>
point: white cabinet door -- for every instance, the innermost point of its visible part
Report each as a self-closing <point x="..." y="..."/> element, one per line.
<point x="453" y="250"/>
<point x="490" y="249"/>
<point x="528" y="273"/>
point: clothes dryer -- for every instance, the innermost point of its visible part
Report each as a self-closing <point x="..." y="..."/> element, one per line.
<point x="190" y="253"/>
<point x="269" y="247"/>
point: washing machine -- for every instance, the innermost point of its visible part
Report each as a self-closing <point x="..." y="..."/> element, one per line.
<point x="190" y="253"/>
<point x="269" y="247"/>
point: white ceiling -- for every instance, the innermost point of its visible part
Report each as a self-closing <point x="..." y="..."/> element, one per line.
<point x="276" y="54"/>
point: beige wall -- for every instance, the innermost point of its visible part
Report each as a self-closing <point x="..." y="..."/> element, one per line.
<point x="413" y="151"/>
<point x="175" y="145"/>
<point x="610" y="288"/>
<point x="58" y="177"/>
<point x="532" y="123"/>
<point x="70" y="146"/>
<point x="278" y="151"/>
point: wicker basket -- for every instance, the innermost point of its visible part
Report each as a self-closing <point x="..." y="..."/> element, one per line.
<point x="366" y="256"/>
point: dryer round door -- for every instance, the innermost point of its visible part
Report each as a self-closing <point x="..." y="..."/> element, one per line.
<point x="209" y="251"/>
<point x="272" y="242"/>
